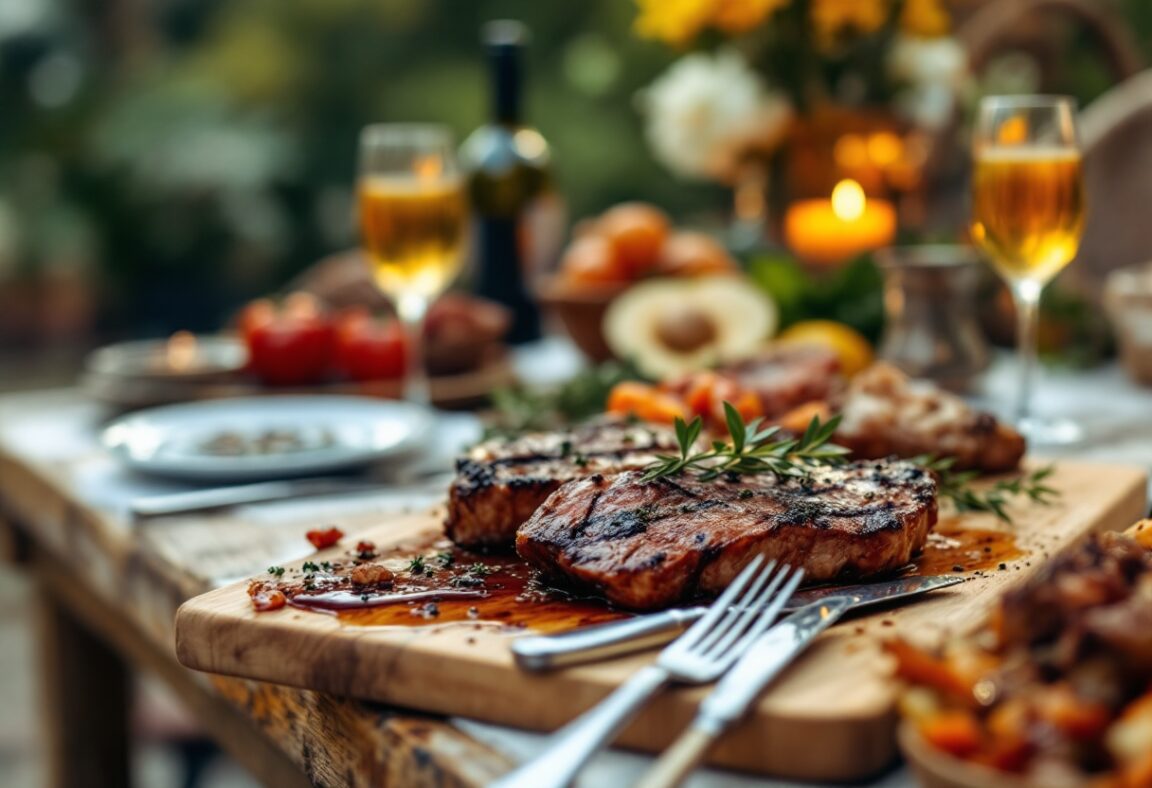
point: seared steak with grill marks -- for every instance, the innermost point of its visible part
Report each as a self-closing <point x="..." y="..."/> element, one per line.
<point x="651" y="544"/>
<point x="499" y="483"/>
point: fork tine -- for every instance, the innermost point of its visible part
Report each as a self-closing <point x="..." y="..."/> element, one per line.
<point x="763" y="621"/>
<point x="739" y="605"/>
<point x="751" y="607"/>
<point x="758" y="615"/>
<point x="721" y="605"/>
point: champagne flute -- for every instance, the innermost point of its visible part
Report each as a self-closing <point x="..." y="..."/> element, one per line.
<point x="413" y="216"/>
<point x="1028" y="216"/>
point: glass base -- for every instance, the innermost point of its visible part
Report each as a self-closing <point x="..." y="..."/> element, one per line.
<point x="1050" y="432"/>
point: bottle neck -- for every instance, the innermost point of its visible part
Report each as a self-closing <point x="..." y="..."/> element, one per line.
<point x="506" y="84"/>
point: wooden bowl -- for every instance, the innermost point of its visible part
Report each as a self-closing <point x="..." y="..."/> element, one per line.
<point x="936" y="769"/>
<point x="581" y="311"/>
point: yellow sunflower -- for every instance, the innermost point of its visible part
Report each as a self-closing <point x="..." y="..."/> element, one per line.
<point x="738" y="16"/>
<point x="675" y="22"/>
<point x="927" y="18"/>
<point x="831" y="18"/>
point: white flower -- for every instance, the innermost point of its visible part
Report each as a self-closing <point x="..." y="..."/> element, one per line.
<point x="706" y="111"/>
<point x="934" y="71"/>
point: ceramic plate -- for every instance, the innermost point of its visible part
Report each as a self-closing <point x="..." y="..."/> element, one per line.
<point x="265" y="437"/>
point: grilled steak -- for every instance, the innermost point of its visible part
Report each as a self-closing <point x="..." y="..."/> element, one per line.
<point x="887" y="414"/>
<point x="499" y="483"/>
<point x="651" y="544"/>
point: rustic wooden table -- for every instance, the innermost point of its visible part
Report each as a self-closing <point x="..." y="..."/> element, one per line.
<point x="107" y="591"/>
<point x="109" y="586"/>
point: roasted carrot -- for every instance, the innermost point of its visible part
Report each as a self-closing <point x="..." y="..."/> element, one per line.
<point x="645" y="402"/>
<point x="917" y="666"/>
<point x="954" y="731"/>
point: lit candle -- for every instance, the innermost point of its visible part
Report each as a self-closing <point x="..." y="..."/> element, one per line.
<point x="835" y="230"/>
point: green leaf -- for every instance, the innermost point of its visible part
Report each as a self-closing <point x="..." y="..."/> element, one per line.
<point x="694" y="432"/>
<point x="735" y="426"/>
<point x="681" y="434"/>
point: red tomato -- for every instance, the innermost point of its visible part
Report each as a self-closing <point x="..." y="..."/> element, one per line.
<point x="324" y="537"/>
<point x="369" y="348"/>
<point x="288" y="343"/>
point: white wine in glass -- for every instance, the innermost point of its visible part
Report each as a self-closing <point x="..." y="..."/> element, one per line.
<point x="1028" y="216"/>
<point x="413" y="219"/>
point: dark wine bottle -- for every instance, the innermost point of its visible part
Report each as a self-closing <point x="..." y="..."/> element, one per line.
<point x="508" y="181"/>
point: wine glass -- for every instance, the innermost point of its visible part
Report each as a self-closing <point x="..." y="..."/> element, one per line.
<point x="1028" y="216"/>
<point x="413" y="216"/>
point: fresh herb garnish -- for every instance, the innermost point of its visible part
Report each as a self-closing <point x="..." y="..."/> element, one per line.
<point x="956" y="486"/>
<point x="416" y="565"/>
<point x="480" y="569"/>
<point x="276" y="570"/>
<point x="752" y="449"/>
<point x="310" y="568"/>
<point x="446" y="558"/>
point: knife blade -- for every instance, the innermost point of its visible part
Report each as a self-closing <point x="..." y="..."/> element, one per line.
<point x="544" y="652"/>
<point x="219" y="497"/>
<point x="742" y="685"/>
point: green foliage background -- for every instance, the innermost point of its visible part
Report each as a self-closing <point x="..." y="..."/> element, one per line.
<point x="206" y="153"/>
<point x="189" y="154"/>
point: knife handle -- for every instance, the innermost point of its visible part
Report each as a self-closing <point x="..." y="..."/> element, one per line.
<point x="680" y="759"/>
<point x="544" y="652"/>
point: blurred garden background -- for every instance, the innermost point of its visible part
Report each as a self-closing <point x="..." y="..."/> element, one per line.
<point x="162" y="161"/>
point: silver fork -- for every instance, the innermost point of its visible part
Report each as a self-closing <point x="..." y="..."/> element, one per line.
<point x="701" y="655"/>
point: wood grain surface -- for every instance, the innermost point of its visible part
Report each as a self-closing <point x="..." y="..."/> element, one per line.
<point x="830" y="717"/>
<point x="124" y="580"/>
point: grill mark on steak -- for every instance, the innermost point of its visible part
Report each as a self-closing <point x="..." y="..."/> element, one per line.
<point x="607" y="454"/>
<point x="652" y="544"/>
<point x="500" y="483"/>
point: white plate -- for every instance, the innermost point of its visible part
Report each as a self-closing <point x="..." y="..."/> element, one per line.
<point x="325" y="433"/>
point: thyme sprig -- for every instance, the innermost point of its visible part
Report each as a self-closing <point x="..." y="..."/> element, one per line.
<point x="751" y="449"/>
<point x="956" y="486"/>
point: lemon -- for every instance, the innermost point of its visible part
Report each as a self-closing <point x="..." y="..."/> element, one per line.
<point x="849" y="345"/>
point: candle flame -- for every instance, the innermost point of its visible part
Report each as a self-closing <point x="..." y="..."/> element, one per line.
<point x="181" y="351"/>
<point x="848" y="200"/>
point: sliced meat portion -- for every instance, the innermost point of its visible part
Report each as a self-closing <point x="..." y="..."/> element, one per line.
<point x="885" y="413"/>
<point x="781" y="378"/>
<point x="648" y="545"/>
<point x="499" y="483"/>
<point x="787" y="376"/>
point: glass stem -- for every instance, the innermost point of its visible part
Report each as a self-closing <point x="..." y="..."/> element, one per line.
<point x="1026" y="295"/>
<point x="412" y="309"/>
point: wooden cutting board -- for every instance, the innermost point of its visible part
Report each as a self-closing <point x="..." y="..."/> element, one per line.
<point x="829" y="717"/>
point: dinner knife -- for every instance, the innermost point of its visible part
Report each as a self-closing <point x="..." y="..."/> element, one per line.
<point x="742" y="685"/>
<point x="234" y="495"/>
<point x="544" y="652"/>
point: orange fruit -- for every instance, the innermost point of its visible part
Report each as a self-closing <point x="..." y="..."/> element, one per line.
<point x="591" y="260"/>
<point x="637" y="232"/>
<point x="849" y="345"/>
<point x="694" y="254"/>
